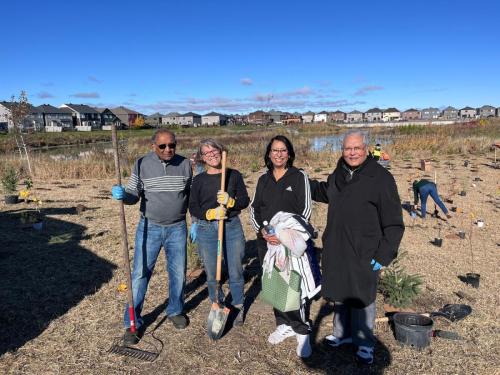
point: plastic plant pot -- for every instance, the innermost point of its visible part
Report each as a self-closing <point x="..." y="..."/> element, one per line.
<point x="11" y="199"/>
<point x="413" y="329"/>
<point x="466" y="163"/>
<point x="437" y="242"/>
<point x="463" y="193"/>
<point x="480" y="223"/>
<point x="461" y="234"/>
<point x="453" y="209"/>
<point x="472" y="279"/>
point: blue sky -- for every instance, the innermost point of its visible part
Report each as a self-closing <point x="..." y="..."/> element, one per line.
<point x="235" y="56"/>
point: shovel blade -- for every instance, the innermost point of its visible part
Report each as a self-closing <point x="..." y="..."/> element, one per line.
<point x="216" y="321"/>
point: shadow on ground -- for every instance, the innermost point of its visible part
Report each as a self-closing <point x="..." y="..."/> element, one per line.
<point x="44" y="274"/>
<point x="341" y="360"/>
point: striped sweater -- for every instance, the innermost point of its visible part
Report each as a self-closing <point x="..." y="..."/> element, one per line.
<point x="161" y="186"/>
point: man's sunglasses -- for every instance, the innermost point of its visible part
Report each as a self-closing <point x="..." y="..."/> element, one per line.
<point x="164" y="146"/>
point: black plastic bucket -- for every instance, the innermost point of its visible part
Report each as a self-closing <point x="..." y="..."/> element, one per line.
<point x="437" y="242"/>
<point x="413" y="329"/>
<point x="11" y="199"/>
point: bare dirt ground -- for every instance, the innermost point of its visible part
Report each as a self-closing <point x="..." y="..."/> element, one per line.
<point x="60" y="308"/>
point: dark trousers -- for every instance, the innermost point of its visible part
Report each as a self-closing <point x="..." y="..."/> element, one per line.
<point x="296" y="319"/>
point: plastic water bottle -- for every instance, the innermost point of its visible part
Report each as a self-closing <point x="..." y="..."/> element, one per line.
<point x="268" y="228"/>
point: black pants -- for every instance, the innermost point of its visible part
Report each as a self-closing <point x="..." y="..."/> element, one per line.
<point x="296" y="319"/>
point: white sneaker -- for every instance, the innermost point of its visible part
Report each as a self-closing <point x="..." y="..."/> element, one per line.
<point x="364" y="355"/>
<point x="281" y="333"/>
<point x="303" y="346"/>
<point x="336" y="342"/>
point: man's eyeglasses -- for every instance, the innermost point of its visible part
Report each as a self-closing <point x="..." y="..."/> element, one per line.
<point x="355" y="149"/>
<point x="163" y="146"/>
<point x="279" y="151"/>
<point x="210" y="153"/>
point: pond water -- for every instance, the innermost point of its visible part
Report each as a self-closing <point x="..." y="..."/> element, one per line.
<point x="331" y="142"/>
<point x="334" y="142"/>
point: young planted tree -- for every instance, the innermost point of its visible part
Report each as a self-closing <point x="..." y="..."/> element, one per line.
<point x="20" y="109"/>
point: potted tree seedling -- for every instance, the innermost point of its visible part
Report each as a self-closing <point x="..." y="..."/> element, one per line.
<point x="398" y="287"/>
<point x="472" y="278"/>
<point x="9" y="181"/>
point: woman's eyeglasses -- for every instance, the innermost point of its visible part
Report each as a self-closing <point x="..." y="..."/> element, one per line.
<point x="163" y="146"/>
<point x="279" y="151"/>
<point x="210" y="153"/>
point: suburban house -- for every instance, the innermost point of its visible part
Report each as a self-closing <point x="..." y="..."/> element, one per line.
<point x="213" y="119"/>
<point x="4" y="117"/>
<point x="55" y="117"/>
<point x="486" y="111"/>
<point x="391" y="114"/>
<point x="467" y="112"/>
<point x="276" y="117"/>
<point x="354" y="116"/>
<point x="338" y="116"/>
<point x="259" y="118"/>
<point x="108" y="118"/>
<point x="30" y="122"/>
<point x="171" y="118"/>
<point x="410" y="114"/>
<point x="450" y="113"/>
<point x="190" y="119"/>
<point x="128" y="117"/>
<point x="373" y="115"/>
<point x="430" y="113"/>
<point x="154" y="120"/>
<point x="237" y="119"/>
<point x="291" y="119"/>
<point x="308" y="117"/>
<point x="83" y="115"/>
<point x="322" y="116"/>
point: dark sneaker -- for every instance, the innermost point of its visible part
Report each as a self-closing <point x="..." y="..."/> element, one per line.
<point x="130" y="338"/>
<point x="179" y="321"/>
<point x="240" y="318"/>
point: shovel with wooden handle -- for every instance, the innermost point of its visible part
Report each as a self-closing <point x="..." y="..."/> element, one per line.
<point x="218" y="315"/>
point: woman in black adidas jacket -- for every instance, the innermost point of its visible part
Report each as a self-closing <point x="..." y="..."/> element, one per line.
<point x="282" y="188"/>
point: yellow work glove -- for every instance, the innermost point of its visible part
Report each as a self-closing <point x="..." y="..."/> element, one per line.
<point x="225" y="199"/>
<point x="217" y="213"/>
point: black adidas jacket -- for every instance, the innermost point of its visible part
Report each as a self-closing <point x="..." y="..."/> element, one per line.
<point x="291" y="193"/>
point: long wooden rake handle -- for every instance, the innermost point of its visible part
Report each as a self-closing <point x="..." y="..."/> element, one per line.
<point x="220" y="235"/>
<point x="126" y="262"/>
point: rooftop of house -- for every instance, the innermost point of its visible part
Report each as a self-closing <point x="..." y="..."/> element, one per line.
<point x="80" y="108"/>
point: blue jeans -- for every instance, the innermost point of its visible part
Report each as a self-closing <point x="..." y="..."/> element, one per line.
<point x="233" y="252"/>
<point x="425" y="191"/>
<point x="149" y="239"/>
<point x="356" y="323"/>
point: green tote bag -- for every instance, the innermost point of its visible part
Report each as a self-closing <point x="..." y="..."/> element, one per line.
<point x="280" y="294"/>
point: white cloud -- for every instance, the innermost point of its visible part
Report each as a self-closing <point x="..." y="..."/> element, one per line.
<point x="86" y="95"/>
<point x="246" y="81"/>
<point x="366" y="89"/>
<point x="44" y="95"/>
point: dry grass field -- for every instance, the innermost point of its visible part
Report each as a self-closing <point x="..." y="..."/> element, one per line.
<point x="60" y="307"/>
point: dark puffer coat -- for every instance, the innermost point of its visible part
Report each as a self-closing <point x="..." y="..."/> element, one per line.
<point x="364" y="222"/>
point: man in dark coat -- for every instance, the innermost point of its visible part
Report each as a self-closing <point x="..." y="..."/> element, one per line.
<point x="363" y="231"/>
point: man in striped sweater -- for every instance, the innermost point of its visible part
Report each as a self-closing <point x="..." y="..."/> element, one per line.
<point x="160" y="180"/>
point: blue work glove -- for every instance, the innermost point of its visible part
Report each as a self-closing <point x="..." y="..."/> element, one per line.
<point x="193" y="231"/>
<point x="118" y="192"/>
<point x="376" y="265"/>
